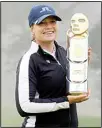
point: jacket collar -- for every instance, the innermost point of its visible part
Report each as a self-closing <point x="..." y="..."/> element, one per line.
<point x="43" y="52"/>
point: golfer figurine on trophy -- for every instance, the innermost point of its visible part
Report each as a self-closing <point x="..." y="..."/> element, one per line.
<point x="77" y="54"/>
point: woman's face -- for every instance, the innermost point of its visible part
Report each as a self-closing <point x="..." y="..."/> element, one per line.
<point x="46" y="31"/>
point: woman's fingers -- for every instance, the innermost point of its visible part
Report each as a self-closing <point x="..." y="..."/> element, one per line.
<point x="89" y="54"/>
<point x="82" y="97"/>
<point x="78" y="98"/>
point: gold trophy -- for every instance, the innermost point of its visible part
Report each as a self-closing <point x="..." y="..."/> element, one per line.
<point x="77" y="54"/>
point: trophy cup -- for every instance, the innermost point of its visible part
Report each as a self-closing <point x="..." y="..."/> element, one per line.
<point x="77" y="54"/>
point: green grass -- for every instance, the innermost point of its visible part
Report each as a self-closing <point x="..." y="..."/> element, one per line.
<point x="10" y="118"/>
<point x="89" y="121"/>
<point x="83" y="121"/>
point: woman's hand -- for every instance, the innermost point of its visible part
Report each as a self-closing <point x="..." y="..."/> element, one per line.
<point x="78" y="98"/>
<point x="89" y="54"/>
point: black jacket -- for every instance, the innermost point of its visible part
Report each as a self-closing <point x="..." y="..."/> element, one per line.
<point x="41" y="89"/>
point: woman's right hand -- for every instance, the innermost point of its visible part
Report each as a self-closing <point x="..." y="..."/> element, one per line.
<point x="78" y="98"/>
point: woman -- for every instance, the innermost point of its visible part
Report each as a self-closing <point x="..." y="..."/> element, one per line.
<point x="41" y="95"/>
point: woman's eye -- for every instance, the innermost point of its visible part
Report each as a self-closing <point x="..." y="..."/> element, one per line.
<point x="53" y="21"/>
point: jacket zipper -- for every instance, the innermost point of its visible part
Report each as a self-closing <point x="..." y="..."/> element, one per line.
<point x="59" y="64"/>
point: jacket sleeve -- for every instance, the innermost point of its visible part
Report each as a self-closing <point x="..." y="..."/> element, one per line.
<point x="27" y="101"/>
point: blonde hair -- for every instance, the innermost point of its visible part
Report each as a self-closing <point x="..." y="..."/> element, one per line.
<point x="32" y="34"/>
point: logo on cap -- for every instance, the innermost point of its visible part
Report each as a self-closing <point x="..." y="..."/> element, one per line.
<point x="45" y="9"/>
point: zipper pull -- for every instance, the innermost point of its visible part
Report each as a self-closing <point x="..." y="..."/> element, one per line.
<point x="58" y="62"/>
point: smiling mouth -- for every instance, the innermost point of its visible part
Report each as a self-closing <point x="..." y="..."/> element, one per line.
<point x="50" y="32"/>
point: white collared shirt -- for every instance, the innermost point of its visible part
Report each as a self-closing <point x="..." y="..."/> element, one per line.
<point x="51" y="53"/>
<point x="35" y="45"/>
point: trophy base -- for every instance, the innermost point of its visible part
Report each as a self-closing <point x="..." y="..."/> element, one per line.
<point x="78" y="88"/>
<point x="76" y="93"/>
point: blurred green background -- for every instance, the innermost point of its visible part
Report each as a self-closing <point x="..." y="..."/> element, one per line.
<point x="12" y="119"/>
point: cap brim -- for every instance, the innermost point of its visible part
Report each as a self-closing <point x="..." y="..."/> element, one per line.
<point x="45" y="16"/>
